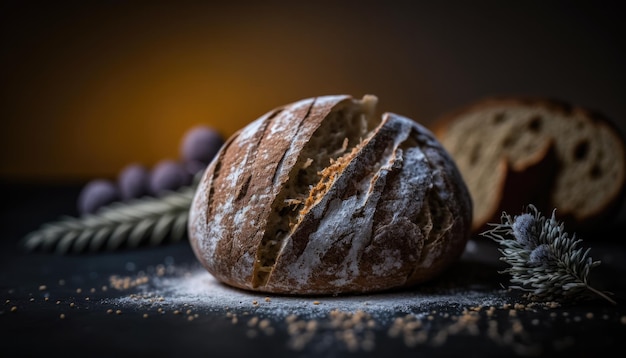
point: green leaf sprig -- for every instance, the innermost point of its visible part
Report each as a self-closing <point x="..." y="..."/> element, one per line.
<point x="544" y="261"/>
<point x="144" y="221"/>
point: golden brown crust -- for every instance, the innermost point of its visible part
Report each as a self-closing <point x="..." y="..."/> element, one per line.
<point x="393" y="212"/>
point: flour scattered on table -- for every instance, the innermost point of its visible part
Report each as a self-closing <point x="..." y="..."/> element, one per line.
<point x="464" y="304"/>
<point x="427" y="315"/>
<point x="198" y="288"/>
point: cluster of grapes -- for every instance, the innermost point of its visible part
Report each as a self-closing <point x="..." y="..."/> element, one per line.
<point x="198" y="147"/>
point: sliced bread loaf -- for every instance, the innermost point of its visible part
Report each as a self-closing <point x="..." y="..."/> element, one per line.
<point x="516" y="151"/>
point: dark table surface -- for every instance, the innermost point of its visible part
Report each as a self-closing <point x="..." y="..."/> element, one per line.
<point x="115" y="304"/>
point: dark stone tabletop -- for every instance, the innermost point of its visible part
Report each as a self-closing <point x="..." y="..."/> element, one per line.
<point x="158" y="302"/>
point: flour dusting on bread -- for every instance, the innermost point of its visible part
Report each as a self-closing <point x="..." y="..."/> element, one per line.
<point x="322" y="197"/>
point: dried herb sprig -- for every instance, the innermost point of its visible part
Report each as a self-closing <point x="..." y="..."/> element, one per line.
<point x="145" y="221"/>
<point x="544" y="261"/>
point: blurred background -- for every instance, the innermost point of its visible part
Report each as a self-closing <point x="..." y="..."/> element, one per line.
<point x="90" y="86"/>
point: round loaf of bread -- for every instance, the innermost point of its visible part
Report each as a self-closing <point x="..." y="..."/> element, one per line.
<point x="513" y="151"/>
<point x="321" y="196"/>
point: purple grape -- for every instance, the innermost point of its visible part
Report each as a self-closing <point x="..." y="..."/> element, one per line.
<point x="96" y="194"/>
<point x="133" y="181"/>
<point x="167" y="175"/>
<point x="194" y="166"/>
<point x="200" y="143"/>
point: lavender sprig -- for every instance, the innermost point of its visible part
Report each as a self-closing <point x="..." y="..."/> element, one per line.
<point x="544" y="261"/>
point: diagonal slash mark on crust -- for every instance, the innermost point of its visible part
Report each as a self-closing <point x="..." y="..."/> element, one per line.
<point x="281" y="162"/>
<point x="329" y="141"/>
<point x="278" y="198"/>
<point x="216" y="172"/>
<point x="243" y="189"/>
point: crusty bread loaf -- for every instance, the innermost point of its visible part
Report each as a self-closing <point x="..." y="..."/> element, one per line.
<point x="515" y="151"/>
<point x="322" y="197"/>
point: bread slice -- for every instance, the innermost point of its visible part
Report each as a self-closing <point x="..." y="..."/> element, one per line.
<point x="515" y="151"/>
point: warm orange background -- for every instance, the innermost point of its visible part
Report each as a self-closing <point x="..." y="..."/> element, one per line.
<point x="88" y="87"/>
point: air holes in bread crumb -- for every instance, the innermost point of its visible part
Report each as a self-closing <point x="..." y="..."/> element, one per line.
<point x="475" y="155"/>
<point x="535" y="124"/>
<point x="581" y="150"/>
<point x="596" y="172"/>
<point x="499" y="118"/>
<point x="508" y="142"/>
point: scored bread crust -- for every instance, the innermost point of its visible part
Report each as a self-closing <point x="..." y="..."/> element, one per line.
<point x="513" y="151"/>
<point x="383" y="207"/>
